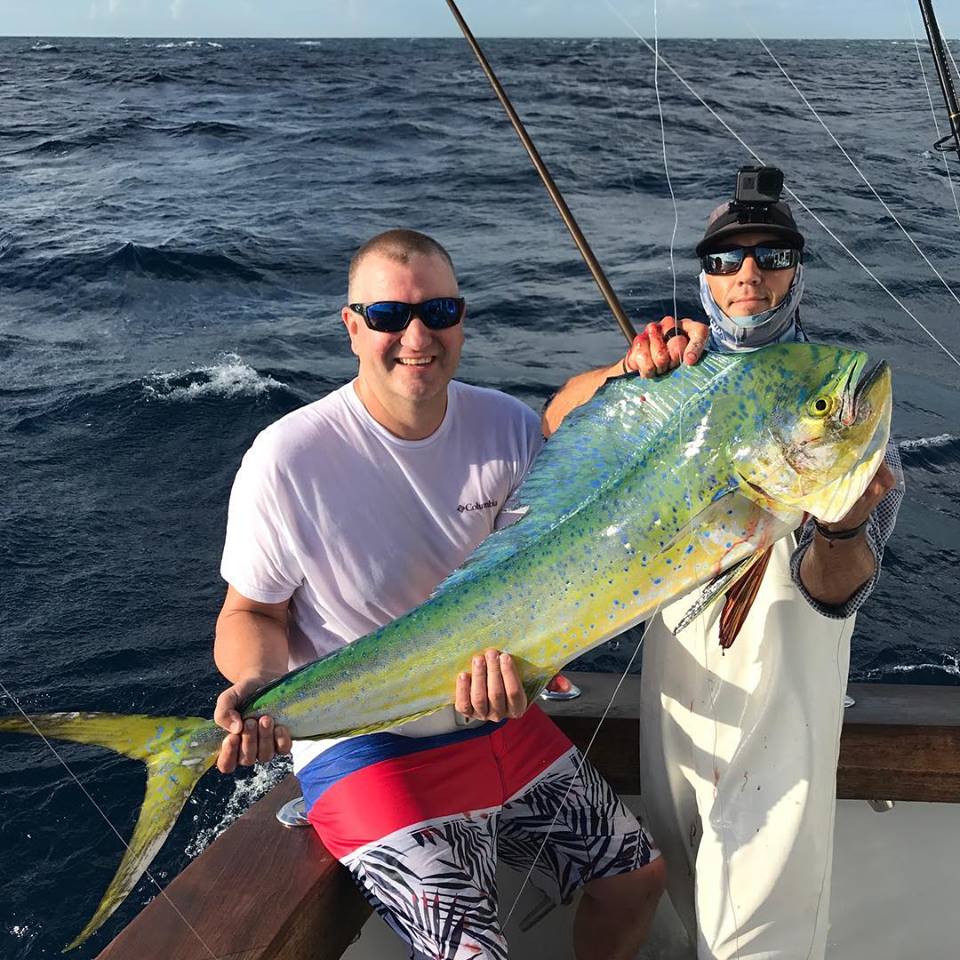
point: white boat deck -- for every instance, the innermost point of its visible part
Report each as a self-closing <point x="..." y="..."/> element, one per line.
<point x="896" y="895"/>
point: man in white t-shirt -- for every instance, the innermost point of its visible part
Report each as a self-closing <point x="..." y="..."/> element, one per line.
<point x="346" y="514"/>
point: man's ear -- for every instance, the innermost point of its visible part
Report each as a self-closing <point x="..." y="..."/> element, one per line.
<point x="351" y="321"/>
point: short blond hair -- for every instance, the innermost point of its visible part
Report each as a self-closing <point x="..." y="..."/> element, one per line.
<point x="398" y="245"/>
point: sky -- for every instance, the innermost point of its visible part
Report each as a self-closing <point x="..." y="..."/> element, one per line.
<point x="489" y="18"/>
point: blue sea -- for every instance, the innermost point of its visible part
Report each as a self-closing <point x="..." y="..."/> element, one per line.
<point x="176" y="222"/>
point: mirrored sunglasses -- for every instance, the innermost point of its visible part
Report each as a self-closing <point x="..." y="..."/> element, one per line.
<point x="722" y="262"/>
<point x="392" y="316"/>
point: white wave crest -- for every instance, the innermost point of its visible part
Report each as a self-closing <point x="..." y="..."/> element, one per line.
<point x="246" y="792"/>
<point x="941" y="440"/>
<point x="949" y="666"/>
<point x="229" y="377"/>
<point x="187" y="44"/>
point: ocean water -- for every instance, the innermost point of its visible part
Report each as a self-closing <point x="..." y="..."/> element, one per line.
<point x="176" y="222"/>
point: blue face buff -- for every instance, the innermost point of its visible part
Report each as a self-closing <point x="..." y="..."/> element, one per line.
<point x="779" y="325"/>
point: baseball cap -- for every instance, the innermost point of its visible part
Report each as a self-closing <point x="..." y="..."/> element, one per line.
<point x="732" y="218"/>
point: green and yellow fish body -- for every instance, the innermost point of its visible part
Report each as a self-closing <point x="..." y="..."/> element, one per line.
<point x="648" y="491"/>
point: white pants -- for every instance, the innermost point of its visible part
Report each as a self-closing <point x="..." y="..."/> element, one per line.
<point x="738" y="764"/>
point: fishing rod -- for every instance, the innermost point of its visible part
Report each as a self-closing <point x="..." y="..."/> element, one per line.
<point x="568" y="218"/>
<point x="945" y="77"/>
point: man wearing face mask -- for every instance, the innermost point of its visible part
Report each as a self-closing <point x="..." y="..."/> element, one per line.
<point x="739" y="748"/>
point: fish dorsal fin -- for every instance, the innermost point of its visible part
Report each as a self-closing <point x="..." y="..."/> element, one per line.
<point x="594" y="447"/>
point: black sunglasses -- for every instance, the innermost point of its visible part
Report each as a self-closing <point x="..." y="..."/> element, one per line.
<point x="392" y="316"/>
<point x="725" y="262"/>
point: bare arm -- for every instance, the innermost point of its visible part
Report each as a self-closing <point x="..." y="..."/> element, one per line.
<point x="832" y="571"/>
<point x="250" y="649"/>
<point x="576" y="392"/>
<point x="649" y="355"/>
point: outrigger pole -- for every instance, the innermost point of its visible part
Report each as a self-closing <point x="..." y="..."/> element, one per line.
<point x="578" y="238"/>
<point x="945" y="77"/>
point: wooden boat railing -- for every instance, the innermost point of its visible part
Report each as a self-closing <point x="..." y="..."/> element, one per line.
<point x="262" y="892"/>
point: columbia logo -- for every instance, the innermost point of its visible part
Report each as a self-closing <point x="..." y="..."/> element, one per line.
<point x="486" y="505"/>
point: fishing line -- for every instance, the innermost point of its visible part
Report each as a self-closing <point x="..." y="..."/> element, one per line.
<point x="719" y="793"/>
<point x="828" y="864"/>
<point x="584" y="753"/>
<point x="946" y="43"/>
<point x="933" y="111"/>
<point x="666" y="166"/>
<point x="841" y="685"/>
<point x="580" y="766"/>
<point x="853" y="163"/>
<point x="792" y="194"/>
<point x="100" y="810"/>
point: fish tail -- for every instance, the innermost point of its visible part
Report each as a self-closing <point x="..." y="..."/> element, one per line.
<point x="177" y="752"/>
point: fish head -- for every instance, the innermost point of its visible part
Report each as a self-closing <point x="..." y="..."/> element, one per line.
<point x="825" y="429"/>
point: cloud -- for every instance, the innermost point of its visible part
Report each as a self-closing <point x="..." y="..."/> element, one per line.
<point x="103" y="8"/>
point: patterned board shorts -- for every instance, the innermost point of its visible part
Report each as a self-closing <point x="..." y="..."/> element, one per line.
<point x="420" y="824"/>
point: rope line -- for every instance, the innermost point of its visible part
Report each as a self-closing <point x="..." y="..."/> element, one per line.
<point x="666" y="165"/>
<point x="861" y="174"/>
<point x="753" y="153"/>
<point x="576" y="775"/>
<point x="933" y="109"/>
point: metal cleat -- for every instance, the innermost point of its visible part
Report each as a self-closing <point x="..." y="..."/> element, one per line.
<point x="293" y="814"/>
<point x="560" y="688"/>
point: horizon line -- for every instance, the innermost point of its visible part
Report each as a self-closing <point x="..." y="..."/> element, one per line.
<point x="430" y="36"/>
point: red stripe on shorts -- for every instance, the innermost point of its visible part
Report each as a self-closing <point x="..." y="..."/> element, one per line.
<point x="475" y="774"/>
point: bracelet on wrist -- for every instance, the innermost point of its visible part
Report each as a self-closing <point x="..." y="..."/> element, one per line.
<point x="839" y="534"/>
<point x="623" y="365"/>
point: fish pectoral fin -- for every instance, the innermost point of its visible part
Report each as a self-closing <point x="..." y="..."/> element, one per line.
<point x="709" y="516"/>
<point x="740" y="596"/>
<point x="740" y="583"/>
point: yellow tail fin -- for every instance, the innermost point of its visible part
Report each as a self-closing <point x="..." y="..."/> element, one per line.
<point x="178" y="751"/>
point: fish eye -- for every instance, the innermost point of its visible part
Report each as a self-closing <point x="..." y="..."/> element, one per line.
<point x="821" y="407"/>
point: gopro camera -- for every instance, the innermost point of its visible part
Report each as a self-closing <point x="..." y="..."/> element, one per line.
<point x="758" y="186"/>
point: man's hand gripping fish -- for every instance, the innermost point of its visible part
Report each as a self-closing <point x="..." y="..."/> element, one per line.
<point x="651" y="489"/>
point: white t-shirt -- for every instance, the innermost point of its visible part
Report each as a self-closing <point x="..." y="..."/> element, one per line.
<point x="356" y="526"/>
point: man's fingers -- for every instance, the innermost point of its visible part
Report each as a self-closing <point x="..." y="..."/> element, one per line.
<point x="225" y="712"/>
<point x="282" y="739"/>
<point x="638" y="357"/>
<point x="496" y="696"/>
<point x="513" y="687"/>
<point x="229" y="750"/>
<point x="884" y="480"/>
<point x="675" y="342"/>
<point x="478" y="686"/>
<point x="462" y="697"/>
<point x="697" y="336"/>
<point x="881" y="484"/>
<point x="265" y="745"/>
<point x="248" y="743"/>
<point x="659" y="353"/>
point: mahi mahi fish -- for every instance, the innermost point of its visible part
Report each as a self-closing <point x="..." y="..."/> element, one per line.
<point x="646" y="492"/>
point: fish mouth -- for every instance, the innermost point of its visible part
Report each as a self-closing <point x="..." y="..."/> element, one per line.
<point x="857" y="388"/>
